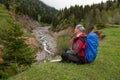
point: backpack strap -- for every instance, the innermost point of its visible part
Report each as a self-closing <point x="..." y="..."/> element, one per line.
<point x="83" y="39"/>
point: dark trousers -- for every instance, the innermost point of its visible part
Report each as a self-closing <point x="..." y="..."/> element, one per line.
<point x="66" y="57"/>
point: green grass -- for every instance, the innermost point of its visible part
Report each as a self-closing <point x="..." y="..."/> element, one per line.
<point x="3" y="15"/>
<point x="105" y="67"/>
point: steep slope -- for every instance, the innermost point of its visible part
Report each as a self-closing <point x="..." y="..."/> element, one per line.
<point x="33" y="8"/>
<point x="45" y="39"/>
<point x="13" y="49"/>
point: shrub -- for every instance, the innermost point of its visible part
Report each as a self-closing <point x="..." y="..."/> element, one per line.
<point x="63" y="43"/>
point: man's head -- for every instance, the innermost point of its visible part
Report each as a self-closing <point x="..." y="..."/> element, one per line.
<point x="79" y="28"/>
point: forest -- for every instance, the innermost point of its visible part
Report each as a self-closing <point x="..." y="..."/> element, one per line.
<point x="99" y="15"/>
<point x="33" y="8"/>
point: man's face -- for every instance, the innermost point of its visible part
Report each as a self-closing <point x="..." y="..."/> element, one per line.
<point x="76" y="31"/>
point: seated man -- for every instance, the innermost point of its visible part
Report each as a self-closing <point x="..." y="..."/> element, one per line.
<point x="77" y="54"/>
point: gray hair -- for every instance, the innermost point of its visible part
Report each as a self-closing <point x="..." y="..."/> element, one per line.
<point x="80" y="27"/>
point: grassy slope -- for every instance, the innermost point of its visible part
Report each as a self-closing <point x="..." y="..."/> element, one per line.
<point x="105" y="67"/>
<point x="3" y="16"/>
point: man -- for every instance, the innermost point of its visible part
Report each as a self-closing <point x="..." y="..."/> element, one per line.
<point x="77" y="54"/>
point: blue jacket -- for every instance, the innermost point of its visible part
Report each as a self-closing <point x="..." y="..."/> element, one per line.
<point x="92" y="44"/>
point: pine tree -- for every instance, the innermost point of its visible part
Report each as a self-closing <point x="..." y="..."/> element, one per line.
<point x="16" y="54"/>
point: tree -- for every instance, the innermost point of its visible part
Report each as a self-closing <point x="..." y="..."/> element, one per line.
<point x="7" y="4"/>
<point x="32" y="8"/>
<point x="16" y="54"/>
<point x="1" y="1"/>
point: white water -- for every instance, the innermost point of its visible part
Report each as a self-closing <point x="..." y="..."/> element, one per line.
<point x="46" y="41"/>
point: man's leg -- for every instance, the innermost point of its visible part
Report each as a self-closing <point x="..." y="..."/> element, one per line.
<point x="73" y="58"/>
<point x="64" y="57"/>
<point x="82" y="60"/>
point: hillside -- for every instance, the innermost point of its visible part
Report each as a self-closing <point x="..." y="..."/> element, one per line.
<point x="105" y="67"/>
<point x="35" y="9"/>
<point x="15" y="55"/>
<point x="22" y="43"/>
